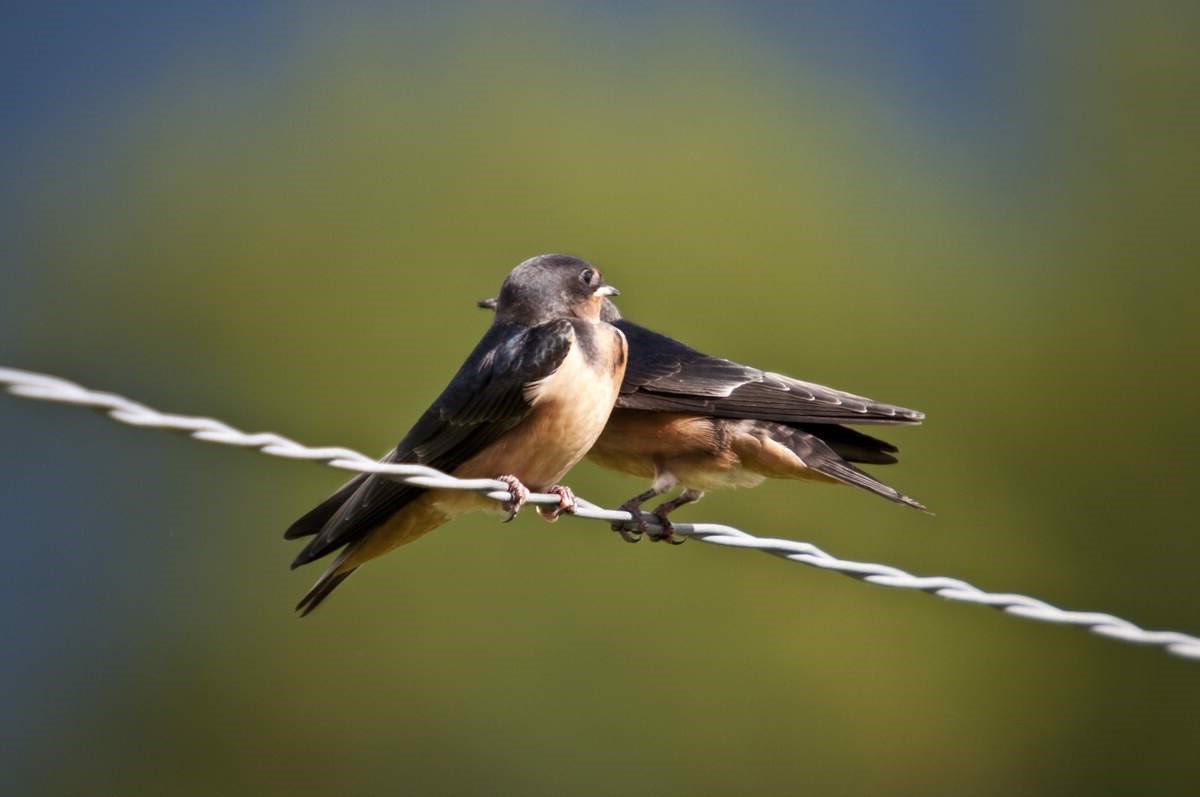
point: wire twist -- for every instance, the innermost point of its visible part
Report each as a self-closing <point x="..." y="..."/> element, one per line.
<point x="42" y="387"/>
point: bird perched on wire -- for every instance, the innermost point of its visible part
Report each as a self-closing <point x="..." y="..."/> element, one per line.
<point x="684" y="418"/>
<point x="528" y="403"/>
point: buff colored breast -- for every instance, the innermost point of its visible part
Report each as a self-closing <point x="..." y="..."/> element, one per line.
<point x="570" y="408"/>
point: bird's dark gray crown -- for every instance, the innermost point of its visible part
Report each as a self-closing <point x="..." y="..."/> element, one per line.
<point x="546" y="287"/>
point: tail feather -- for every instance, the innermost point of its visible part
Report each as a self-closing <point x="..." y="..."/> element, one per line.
<point x="818" y="456"/>
<point x="321" y="590"/>
<point x="852" y="445"/>
<point x="316" y="518"/>
<point x="848" y="474"/>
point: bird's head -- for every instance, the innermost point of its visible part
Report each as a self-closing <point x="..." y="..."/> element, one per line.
<point x="547" y="287"/>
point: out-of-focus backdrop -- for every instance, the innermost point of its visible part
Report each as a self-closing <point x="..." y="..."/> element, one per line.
<point x="282" y="215"/>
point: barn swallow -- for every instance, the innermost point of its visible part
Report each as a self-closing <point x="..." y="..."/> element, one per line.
<point x="529" y="402"/>
<point x="684" y="418"/>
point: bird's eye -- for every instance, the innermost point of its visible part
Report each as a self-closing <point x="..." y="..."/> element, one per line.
<point x="586" y="276"/>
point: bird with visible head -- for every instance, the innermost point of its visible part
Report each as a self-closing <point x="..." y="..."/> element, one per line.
<point x="525" y="407"/>
<point x="687" y="419"/>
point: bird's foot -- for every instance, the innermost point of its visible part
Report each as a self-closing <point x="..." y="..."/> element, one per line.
<point x="631" y="530"/>
<point x="519" y="493"/>
<point x="566" y="503"/>
<point x="666" y="531"/>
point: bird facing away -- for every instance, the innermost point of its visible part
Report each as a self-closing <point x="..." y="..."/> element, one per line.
<point x="528" y="403"/>
<point x="684" y="418"/>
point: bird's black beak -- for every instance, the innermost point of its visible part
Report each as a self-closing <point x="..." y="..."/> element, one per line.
<point x="486" y="304"/>
<point x="607" y="290"/>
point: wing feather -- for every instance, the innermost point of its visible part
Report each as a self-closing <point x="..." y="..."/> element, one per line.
<point x="665" y="375"/>
<point x="486" y="398"/>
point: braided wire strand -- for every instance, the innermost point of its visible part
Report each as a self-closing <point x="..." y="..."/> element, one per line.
<point x="42" y="387"/>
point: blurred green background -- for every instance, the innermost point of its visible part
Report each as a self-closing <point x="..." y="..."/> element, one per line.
<point x="281" y="216"/>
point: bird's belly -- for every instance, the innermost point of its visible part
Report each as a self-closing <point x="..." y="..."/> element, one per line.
<point x="713" y="473"/>
<point x="555" y="437"/>
<point x="570" y="408"/>
<point x="622" y="460"/>
<point x="642" y="443"/>
<point x="694" y="449"/>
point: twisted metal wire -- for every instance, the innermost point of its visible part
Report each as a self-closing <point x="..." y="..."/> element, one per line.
<point x="41" y="387"/>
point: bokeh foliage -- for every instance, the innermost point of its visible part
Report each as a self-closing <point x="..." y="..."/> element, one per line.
<point x="298" y="247"/>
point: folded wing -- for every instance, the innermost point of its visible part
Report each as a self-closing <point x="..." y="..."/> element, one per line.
<point x="487" y="398"/>
<point x="665" y="375"/>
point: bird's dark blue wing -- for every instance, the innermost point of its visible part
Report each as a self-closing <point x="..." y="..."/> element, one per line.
<point x="486" y="398"/>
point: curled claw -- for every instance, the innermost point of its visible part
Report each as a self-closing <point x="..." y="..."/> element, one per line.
<point x="566" y="503"/>
<point x="631" y="530"/>
<point x="667" y="532"/>
<point x="519" y="493"/>
<point x="628" y="534"/>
